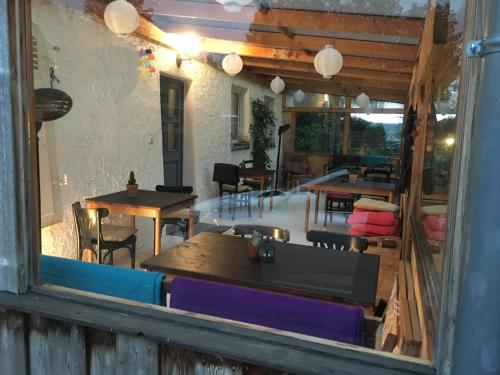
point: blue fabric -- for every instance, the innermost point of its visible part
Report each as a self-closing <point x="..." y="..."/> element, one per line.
<point x="276" y="310"/>
<point x="370" y="161"/>
<point x="113" y="281"/>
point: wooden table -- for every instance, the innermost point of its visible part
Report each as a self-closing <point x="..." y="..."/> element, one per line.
<point x="298" y="269"/>
<point x="260" y="174"/>
<point x="384" y="189"/>
<point x="153" y="204"/>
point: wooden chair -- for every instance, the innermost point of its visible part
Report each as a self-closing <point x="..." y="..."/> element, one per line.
<point x="337" y="241"/>
<point x="267" y="231"/>
<point x="254" y="184"/>
<point x="94" y="236"/>
<point x="178" y="221"/>
<point x="228" y="178"/>
<point x="340" y="198"/>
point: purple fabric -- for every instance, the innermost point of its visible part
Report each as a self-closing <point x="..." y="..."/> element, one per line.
<point x="275" y="310"/>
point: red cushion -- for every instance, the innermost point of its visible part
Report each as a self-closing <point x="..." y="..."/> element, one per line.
<point x="434" y="235"/>
<point x="375" y="230"/>
<point x="372" y="217"/>
<point x="436" y="223"/>
<point x="339" y="195"/>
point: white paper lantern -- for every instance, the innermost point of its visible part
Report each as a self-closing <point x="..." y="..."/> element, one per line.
<point x="362" y="100"/>
<point x="299" y="95"/>
<point x="233" y="6"/>
<point x="121" y="17"/>
<point x="277" y="85"/>
<point x="232" y="64"/>
<point x="328" y="61"/>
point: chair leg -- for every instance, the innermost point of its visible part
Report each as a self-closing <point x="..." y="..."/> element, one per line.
<point x="232" y="204"/>
<point x="132" y="256"/>
<point x="249" y="196"/>
<point x="110" y="257"/>
<point x="220" y="205"/>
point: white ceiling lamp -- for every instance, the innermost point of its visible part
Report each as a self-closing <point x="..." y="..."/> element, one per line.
<point x="121" y="17"/>
<point x="328" y="62"/>
<point x="277" y="85"/>
<point x="232" y="64"/>
<point x="233" y="6"/>
<point x="299" y="95"/>
<point x="362" y="100"/>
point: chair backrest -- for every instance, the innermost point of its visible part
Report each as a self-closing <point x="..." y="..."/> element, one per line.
<point x="175" y="189"/>
<point x="337" y="241"/>
<point x="226" y="174"/>
<point x="266" y="231"/>
<point x="88" y="224"/>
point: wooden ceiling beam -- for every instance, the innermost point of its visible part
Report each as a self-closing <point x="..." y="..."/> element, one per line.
<point x="252" y="62"/>
<point x="348" y="47"/>
<point x="296" y="19"/>
<point x="376" y="83"/>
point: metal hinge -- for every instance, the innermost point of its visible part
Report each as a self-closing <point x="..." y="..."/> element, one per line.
<point x="480" y="48"/>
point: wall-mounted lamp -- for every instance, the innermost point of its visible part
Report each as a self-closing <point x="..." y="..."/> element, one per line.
<point x="180" y="59"/>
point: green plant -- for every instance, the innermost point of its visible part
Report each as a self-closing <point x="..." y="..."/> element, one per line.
<point x="131" y="178"/>
<point x="262" y="132"/>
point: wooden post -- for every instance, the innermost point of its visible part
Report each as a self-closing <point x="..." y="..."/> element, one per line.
<point x="19" y="213"/>
<point x="347" y="126"/>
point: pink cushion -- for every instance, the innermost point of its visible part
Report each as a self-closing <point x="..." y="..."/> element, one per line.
<point x="375" y="230"/>
<point x="372" y="217"/>
<point x="434" y="235"/>
<point x="436" y="223"/>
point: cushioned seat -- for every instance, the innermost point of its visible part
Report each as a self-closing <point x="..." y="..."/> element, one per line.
<point x="241" y="187"/>
<point x="115" y="233"/>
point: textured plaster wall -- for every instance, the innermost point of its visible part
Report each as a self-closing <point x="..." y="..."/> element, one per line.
<point x="116" y="111"/>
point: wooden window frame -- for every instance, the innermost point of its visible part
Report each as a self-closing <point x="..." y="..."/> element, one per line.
<point x="20" y="251"/>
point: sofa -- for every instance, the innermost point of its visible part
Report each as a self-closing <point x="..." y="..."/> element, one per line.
<point x="344" y="323"/>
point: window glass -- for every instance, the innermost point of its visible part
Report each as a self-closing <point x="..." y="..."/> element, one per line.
<point x="319" y="133"/>
<point x="235" y="115"/>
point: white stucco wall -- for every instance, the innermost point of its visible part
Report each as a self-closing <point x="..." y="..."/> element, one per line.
<point x="115" y="112"/>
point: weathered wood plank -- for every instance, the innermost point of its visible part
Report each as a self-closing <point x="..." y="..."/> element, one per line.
<point x="246" y="343"/>
<point x="136" y="355"/>
<point x="56" y="347"/>
<point x="12" y="343"/>
<point x="102" y="352"/>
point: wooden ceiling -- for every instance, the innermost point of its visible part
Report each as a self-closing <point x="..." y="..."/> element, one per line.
<point x="379" y="52"/>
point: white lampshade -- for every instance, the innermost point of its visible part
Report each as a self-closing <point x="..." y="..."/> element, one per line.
<point x="299" y="95"/>
<point x="233" y="5"/>
<point x="232" y="64"/>
<point x="328" y="62"/>
<point x="362" y="100"/>
<point x="277" y="85"/>
<point x="121" y="17"/>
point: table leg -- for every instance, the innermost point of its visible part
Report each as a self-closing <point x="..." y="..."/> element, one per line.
<point x="308" y="208"/>
<point x="191" y="223"/>
<point x="271" y="193"/>
<point x="157" y="244"/>
<point x="132" y="221"/>
<point x="316" y="207"/>
<point x="390" y="198"/>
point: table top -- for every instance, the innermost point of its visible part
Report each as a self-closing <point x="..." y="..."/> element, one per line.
<point x="145" y="198"/>
<point x="360" y="184"/>
<point x="298" y="269"/>
<point x="256" y="172"/>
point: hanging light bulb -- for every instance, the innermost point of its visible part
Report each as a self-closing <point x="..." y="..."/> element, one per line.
<point x="277" y="85"/>
<point x="328" y="62"/>
<point x="299" y="95"/>
<point x="233" y="6"/>
<point x="232" y="64"/>
<point x="121" y="17"/>
<point x="362" y="100"/>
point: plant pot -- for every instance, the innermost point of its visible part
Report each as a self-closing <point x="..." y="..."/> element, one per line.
<point x="252" y="251"/>
<point x="353" y="178"/>
<point x="132" y="190"/>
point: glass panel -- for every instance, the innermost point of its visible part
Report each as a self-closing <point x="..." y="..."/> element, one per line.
<point x="235" y="115"/>
<point x="316" y="100"/>
<point x="319" y="133"/>
<point x="172" y="136"/>
<point x="173" y="106"/>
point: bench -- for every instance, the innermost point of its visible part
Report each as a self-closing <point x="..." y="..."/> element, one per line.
<point x="306" y="316"/>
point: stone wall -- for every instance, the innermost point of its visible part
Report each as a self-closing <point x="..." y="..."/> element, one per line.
<point x="116" y="112"/>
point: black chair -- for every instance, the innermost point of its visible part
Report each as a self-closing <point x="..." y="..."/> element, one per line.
<point x="346" y="200"/>
<point x="379" y="172"/>
<point x="228" y="178"/>
<point x="337" y="241"/>
<point x="254" y="184"/>
<point x="178" y="221"/>
<point x="92" y="235"/>
<point x="266" y="231"/>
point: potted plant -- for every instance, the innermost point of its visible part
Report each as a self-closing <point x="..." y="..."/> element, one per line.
<point x="262" y="132"/>
<point x="353" y="176"/>
<point x="132" y="186"/>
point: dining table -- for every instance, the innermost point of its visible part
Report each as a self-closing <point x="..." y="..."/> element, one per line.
<point x="314" y="272"/>
<point x="338" y="184"/>
<point x="147" y="203"/>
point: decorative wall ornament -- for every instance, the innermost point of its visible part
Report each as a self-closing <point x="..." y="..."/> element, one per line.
<point x="121" y="17"/>
<point x="362" y="100"/>
<point x="147" y="58"/>
<point x="277" y="85"/>
<point x="299" y="95"/>
<point x="328" y="61"/>
<point x="233" y="6"/>
<point x="232" y="64"/>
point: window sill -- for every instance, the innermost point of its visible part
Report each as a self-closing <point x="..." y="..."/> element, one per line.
<point x="240" y="146"/>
